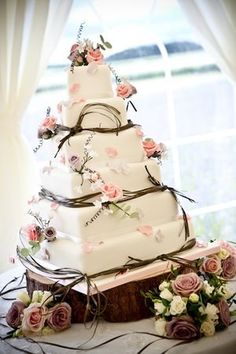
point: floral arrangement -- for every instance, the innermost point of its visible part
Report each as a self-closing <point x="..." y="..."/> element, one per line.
<point x="35" y="233"/>
<point x="125" y="90"/>
<point x="47" y="128"/>
<point x="196" y="301"/>
<point x="153" y="149"/>
<point x="38" y="315"/>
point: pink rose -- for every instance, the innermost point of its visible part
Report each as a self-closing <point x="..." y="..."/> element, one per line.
<point x="34" y="318"/>
<point x="125" y="90"/>
<point x="182" y="328"/>
<point x="59" y="317"/>
<point x="185" y="284"/>
<point x="112" y="192"/>
<point x="224" y="312"/>
<point x="227" y="246"/>
<point x="94" y="55"/>
<point x="32" y="232"/>
<point x="49" y="123"/>
<point x="212" y="265"/>
<point x="146" y="230"/>
<point x="73" y="52"/>
<point x="229" y="267"/>
<point x="14" y="314"/>
<point x="150" y="147"/>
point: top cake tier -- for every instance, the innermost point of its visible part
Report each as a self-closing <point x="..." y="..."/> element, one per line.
<point x="86" y="82"/>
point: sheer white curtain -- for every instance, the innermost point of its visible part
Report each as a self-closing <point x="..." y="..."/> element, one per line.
<point x="216" y="22"/>
<point x="29" y="31"/>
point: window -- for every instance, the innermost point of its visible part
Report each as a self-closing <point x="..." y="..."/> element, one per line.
<point x="183" y="100"/>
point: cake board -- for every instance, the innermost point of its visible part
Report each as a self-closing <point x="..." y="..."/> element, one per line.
<point x="122" y="293"/>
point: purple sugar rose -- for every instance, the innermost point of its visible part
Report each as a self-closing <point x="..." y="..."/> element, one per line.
<point x="14" y="314"/>
<point x="50" y="233"/>
<point x="182" y="328"/>
<point x="229" y="267"/>
<point x="224" y="313"/>
<point x="59" y="317"/>
<point x="186" y="284"/>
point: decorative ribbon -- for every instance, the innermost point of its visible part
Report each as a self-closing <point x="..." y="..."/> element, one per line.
<point x="174" y="193"/>
<point x="131" y="103"/>
<point x="109" y="112"/>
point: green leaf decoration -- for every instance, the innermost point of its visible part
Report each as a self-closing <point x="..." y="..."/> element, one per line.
<point x="101" y="46"/>
<point x="134" y="215"/>
<point x="35" y="249"/>
<point x="33" y="243"/>
<point x="102" y="39"/>
<point x="108" y="45"/>
<point x="24" y="252"/>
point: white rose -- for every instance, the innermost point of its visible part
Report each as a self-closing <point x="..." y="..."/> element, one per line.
<point x="177" y="306"/>
<point x="37" y="296"/>
<point x="166" y="294"/>
<point x="225" y="292"/>
<point x="160" y="326"/>
<point x="159" y="307"/>
<point x="207" y="288"/>
<point x="211" y="311"/>
<point x="194" y="298"/>
<point x="163" y="285"/>
<point x="207" y="328"/>
<point x="24" y="297"/>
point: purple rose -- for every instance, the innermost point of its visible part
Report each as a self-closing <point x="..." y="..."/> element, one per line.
<point x="182" y="328"/>
<point x="14" y="314"/>
<point x="229" y="267"/>
<point x="186" y="284"/>
<point x="224" y="313"/>
<point x="59" y="317"/>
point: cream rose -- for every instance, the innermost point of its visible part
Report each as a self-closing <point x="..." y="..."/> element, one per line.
<point x="207" y="288"/>
<point x="163" y="285"/>
<point x="160" y="326"/>
<point x="194" y="298"/>
<point x="112" y="192"/>
<point x="159" y="307"/>
<point x="166" y="294"/>
<point x="207" y="328"/>
<point x="177" y="305"/>
<point x="24" y="297"/>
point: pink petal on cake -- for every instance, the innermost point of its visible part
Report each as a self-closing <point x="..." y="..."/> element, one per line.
<point x="87" y="247"/>
<point x="111" y="152"/>
<point x="74" y="88"/>
<point x="34" y="199"/>
<point x="139" y="132"/>
<point x="92" y="68"/>
<point x="12" y="259"/>
<point x="59" y="107"/>
<point x="201" y="244"/>
<point x="146" y="230"/>
<point x="62" y="159"/>
<point x="54" y="206"/>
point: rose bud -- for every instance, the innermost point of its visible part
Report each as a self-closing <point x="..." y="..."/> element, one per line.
<point x="50" y="233"/>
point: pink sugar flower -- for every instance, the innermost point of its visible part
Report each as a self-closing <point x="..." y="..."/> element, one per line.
<point x="112" y="192"/>
<point x="95" y="55"/>
<point x="74" y="88"/>
<point x="111" y="152"/>
<point x="150" y="147"/>
<point x="32" y="232"/>
<point x="125" y="90"/>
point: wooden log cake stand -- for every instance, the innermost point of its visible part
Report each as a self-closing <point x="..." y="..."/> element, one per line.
<point x="124" y="302"/>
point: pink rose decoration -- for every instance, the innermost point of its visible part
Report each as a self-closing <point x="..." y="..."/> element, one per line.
<point x="182" y="328"/>
<point x="34" y="318"/>
<point x="150" y="147"/>
<point x="229" y="267"/>
<point x="186" y="284"/>
<point x="14" y="314"/>
<point x="32" y="232"/>
<point x="224" y="312"/>
<point x="125" y="90"/>
<point x="49" y="123"/>
<point x="112" y="192"/>
<point x="146" y="230"/>
<point x="95" y="55"/>
<point x="212" y="265"/>
<point x="111" y="152"/>
<point x="59" y="317"/>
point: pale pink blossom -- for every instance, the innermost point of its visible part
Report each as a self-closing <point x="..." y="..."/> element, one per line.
<point x="54" y="206"/>
<point x="87" y="247"/>
<point x="32" y="232"/>
<point x="150" y="147"/>
<point x="49" y="123"/>
<point x="230" y="248"/>
<point x="112" y="192"/>
<point x="125" y="90"/>
<point x="74" y="88"/>
<point x="34" y="317"/>
<point x="139" y="132"/>
<point x="146" y="230"/>
<point x="111" y="152"/>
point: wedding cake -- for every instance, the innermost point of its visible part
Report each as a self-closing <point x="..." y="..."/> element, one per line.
<point x="102" y="190"/>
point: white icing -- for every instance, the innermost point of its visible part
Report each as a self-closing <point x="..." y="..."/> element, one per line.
<point x="156" y="208"/>
<point x="71" y="112"/>
<point x="90" y="85"/>
<point x="131" y="176"/>
<point x="114" y="251"/>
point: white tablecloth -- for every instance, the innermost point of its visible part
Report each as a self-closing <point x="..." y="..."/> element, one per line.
<point x="132" y="343"/>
